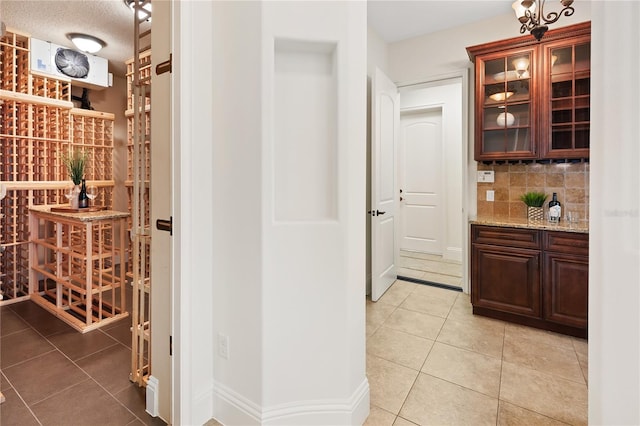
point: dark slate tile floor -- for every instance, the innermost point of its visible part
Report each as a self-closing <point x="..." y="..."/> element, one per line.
<point x="53" y="375"/>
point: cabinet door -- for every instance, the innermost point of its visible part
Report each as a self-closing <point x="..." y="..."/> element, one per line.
<point x="566" y="289"/>
<point x="566" y="113"/>
<point x="506" y="279"/>
<point x="505" y="108"/>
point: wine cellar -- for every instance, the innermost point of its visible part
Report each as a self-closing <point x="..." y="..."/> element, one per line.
<point x="38" y="124"/>
<point x="88" y="268"/>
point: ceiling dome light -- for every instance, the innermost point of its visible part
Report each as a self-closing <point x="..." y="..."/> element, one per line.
<point x="144" y="11"/>
<point x="86" y="43"/>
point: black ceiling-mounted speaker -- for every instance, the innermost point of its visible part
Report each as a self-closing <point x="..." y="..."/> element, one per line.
<point x="72" y="63"/>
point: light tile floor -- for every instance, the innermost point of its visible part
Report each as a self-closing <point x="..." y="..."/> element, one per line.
<point x="429" y="267"/>
<point x="430" y="361"/>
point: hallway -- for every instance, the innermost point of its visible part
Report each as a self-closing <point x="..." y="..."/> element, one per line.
<point x="430" y="361"/>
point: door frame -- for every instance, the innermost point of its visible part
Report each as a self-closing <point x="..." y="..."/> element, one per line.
<point x="468" y="190"/>
<point x="191" y="290"/>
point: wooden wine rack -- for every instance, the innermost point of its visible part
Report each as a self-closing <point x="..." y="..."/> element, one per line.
<point x="38" y="123"/>
<point x="76" y="254"/>
<point x="138" y="183"/>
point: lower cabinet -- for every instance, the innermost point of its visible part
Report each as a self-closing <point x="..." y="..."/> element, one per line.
<point x="533" y="277"/>
<point x="506" y="279"/>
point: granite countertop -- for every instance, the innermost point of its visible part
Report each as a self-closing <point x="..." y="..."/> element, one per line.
<point x="81" y="216"/>
<point x="581" y="226"/>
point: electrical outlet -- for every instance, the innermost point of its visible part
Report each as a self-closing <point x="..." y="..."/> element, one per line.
<point x="223" y="346"/>
<point x="490" y="195"/>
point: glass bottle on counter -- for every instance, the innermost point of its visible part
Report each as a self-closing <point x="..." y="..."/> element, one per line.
<point x="83" y="199"/>
<point x="555" y="209"/>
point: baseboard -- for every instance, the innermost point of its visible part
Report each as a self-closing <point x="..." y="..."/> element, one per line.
<point x="152" y="396"/>
<point x="351" y="411"/>
<point x="232" y="408"/>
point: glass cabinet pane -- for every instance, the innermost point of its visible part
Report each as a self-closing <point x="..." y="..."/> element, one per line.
<point x="506" y="115"/>
<point x="582" y="136"/>
<point x="569" y="98"/>
<point x="561" y="137"/>
<point x="583" y="57"/>
<point x="494" y="71"/>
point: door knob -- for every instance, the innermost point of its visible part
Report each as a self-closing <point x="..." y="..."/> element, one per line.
<point x="379" y="213"/>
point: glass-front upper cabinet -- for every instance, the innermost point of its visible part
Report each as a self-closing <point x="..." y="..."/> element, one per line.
<point x="566" y="99"/>
<point x="532" y="98"/>
<point x="505" y="105"/>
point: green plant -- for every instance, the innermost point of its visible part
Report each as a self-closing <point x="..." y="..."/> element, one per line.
<point x="75" y="162"/>
<point x="534" y="199"/>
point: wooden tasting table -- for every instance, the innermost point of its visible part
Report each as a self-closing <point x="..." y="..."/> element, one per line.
<point x="73" y="257"/>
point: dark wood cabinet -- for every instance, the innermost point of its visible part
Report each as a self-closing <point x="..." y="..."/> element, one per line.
<point x="532" y="98"/>
<point x="506" y="279"/>
<point x="566" y="278"/>
<point x="533" y="277"/>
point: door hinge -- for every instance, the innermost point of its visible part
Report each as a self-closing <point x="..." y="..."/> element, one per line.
<point x="165" y="225"/>
<point x="170" y="345"/>
<point x="165" y="66"/>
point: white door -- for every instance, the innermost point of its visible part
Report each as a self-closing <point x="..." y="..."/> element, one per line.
<point x="421" y="181"/>
<point x="385" y="115"/>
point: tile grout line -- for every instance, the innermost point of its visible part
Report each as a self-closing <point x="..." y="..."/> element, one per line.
<point x="23" y="401"/>
<point x="98" y="383"/>
<point x="554" y="376"/>
<point x="77" y="366"/>
<point x="420" y="370"/>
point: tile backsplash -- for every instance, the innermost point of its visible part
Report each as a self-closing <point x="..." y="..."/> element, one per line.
<point x="570" y="181"/>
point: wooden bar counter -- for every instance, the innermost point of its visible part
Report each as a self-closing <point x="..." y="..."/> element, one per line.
<point x="74" y="272"/>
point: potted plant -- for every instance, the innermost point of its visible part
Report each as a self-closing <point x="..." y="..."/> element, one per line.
<point x="535" y="202"/>
<point x="75" y="161"/>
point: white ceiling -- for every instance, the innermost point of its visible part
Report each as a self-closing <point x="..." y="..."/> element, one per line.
<point x="112" y="21"/>
<point x="396" y="20"/>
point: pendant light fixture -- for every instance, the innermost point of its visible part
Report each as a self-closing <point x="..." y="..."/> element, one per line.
<point x="531" y="15"/>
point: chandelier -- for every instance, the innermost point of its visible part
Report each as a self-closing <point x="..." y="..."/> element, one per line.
<point x="531" y="15"/>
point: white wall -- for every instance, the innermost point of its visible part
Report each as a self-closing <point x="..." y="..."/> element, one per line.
<point x="448" y="96"/>
<point x="377" y="53"/>
<point x="445" y="51"/>
<point x="292" y="310"/>
<point x="236" y="216"/>
<point x="614" y="239"/>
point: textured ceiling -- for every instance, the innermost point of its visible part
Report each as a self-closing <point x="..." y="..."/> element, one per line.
<point x="109" y="20"/>
<point x="112" y="21"/>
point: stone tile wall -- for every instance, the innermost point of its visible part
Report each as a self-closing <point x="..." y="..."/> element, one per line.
<point x="569" y="181"/>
